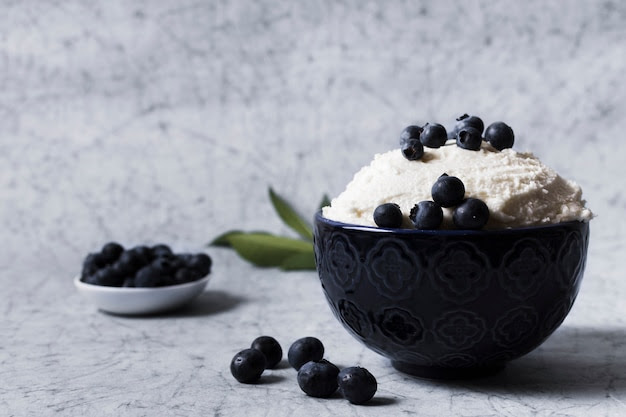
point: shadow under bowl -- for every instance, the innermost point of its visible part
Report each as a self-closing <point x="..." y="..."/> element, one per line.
<point x="450" y="304"/>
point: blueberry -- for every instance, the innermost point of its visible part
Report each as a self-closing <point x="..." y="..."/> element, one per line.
<point x="111" y="251"/>
<point x="388" y="215"/>
<point x="91" y="279"/>
<point x="304" y="350"/>
<point x="412" y="149"/>
<point x="270" y="348"/>
<point x="160" y="250"/>
<point x="247" y="365"/>
<point x="120" y="269"/>
<point x="469" y="138"/>
<point x="148" y="276"/>
<point x="318" y="378"/>
<point x="131" y="261"/>
<point x="201" y="263"/>
<point x="144" y="252"/>
<point x="91" y="264"/>
<point x="184" y="275"/>
<point x="500" y="135"/>
<point x="467" y="120"/>
<point x="426" y="215"/>
<point x="168" y="280"/>
<point x="125" y="268"/>
<point x="165" y="265"/>
<point x="129" y="282"/>
<point x="434" y="135"/>
<point x="178" y="261"/>
<point x="410" y="132"/>
<point x="185" y="258"/>
<point x="471" y="214"/>
<point x="108" y="277"/>
<point x="448" y="191"/>
<point x="357" y="384"/>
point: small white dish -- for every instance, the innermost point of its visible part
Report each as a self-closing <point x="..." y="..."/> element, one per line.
<point x="136" y="301"/>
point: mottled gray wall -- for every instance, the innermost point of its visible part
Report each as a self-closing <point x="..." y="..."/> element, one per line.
<point x="167" y="120"/>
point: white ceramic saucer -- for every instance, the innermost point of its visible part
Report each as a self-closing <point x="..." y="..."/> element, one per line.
<point x="135" y="301"/>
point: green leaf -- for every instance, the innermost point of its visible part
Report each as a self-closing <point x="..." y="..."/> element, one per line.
<point x="325" y="201"/>
<point x="223" y="241"/>
<point x="299" y="261"/>
<point x="263" y="249"/>
<point x="290" y="217"/>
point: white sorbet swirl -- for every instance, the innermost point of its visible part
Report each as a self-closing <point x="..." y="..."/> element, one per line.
<point x="518" y="189"/>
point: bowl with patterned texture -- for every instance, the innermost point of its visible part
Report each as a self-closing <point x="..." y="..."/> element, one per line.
<point x="450" y="304"/>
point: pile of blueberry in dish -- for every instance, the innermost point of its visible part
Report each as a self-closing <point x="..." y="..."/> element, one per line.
<point x="317" y="377"/>
<point x="143" y="266"/>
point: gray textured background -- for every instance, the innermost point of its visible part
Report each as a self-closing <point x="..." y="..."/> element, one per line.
<point x="181" y="114"/>
<point x="167" y="121"/>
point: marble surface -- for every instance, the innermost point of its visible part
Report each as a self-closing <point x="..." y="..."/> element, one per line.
<point x="166" y="121"/>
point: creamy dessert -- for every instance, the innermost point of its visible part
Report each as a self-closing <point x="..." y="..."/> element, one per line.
<point x="517" y="188"/>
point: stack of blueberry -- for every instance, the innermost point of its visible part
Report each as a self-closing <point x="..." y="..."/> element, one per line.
<point x="143" y="266"/>
<point x="467" y="132"/>
<point x="317" y="377"/>
<point x="469" y="213"/>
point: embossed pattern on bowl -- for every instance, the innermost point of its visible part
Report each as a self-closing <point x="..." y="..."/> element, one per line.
<point x="447" y="303"/>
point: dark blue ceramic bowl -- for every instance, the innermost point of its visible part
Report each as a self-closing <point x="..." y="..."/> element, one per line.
<point x="449" y="303"/>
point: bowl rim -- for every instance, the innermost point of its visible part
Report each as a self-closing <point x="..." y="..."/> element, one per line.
<point x="440" y="232"/>
<point x="137" y="290"/>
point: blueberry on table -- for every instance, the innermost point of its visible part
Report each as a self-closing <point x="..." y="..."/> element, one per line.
<point x="500" y="135"/>
<point x="434" y="135"/>
<point x="410" y="132"/>
<point x="270" y="348"/>
<point x="318" y="378"/>
<point x="448" y="191"/>
<point x="471" y="214"/>
<point x="357" y="384"/>
<point x="111" y="251"/>
<point x="472" y="121"/>
<point x="247" y="365"/>
<point x="388" y="215"/>
<point x="426" y="215"/>
<point x="469" y="138"/>
<point x="305" y="350"/>
<point x="412" y="149"/>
